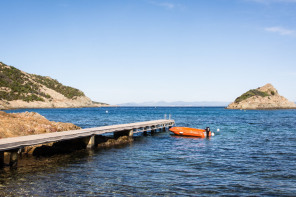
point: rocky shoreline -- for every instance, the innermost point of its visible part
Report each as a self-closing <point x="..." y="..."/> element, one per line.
<point x="81" y="102"/>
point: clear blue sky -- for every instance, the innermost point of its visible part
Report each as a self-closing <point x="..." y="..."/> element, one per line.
<point x="120" y="51"/>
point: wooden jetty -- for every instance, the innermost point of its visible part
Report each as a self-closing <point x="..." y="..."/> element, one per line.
<point x="15" y="144"/>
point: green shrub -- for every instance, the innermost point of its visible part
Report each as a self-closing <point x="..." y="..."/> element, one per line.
<point x="250" y="93"/>
<point x="67" y="91"/>
<point x="22" y="87"/>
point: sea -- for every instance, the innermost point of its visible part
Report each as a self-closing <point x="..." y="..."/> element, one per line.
<point x="253" y="153"/>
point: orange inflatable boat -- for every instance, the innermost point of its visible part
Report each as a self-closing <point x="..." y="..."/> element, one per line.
<point x="186" y="131"/>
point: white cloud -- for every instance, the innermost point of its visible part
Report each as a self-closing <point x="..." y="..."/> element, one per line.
<point x="281" y="31"/>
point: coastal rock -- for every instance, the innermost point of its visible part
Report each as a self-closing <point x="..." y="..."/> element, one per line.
<point x="107" y="143"/>
<point x="2" y="107"/>
<point x="29" y="123"/>
<point x="59" y="102"/>
<point x="265" y="97"/>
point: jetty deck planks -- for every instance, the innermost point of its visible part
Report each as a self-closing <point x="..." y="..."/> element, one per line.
<point x="22" y="141"/>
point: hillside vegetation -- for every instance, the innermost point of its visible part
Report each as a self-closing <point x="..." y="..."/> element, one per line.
<point x="18" y="85"/>
<point x="250" y="93"/>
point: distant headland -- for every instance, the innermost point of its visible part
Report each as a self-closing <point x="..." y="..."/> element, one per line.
<point x="19" y="89"/>
<point x="265" y="97"/>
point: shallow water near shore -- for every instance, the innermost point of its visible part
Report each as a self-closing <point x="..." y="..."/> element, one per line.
<point x="254" y="154"/>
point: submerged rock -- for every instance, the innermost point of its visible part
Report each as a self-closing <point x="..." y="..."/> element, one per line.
<point x="115" y="142"/>
<point x="265" y="97"/>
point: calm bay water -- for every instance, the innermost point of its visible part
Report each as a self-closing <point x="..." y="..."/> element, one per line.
<point x="254" y="154"/>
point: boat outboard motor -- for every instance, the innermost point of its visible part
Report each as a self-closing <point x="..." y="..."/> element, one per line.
<point x="208" y="131"/>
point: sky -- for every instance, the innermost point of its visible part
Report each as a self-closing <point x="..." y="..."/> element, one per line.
<point x="119" y="51"/>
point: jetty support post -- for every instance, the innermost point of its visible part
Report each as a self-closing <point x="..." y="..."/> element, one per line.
<point x="163" y="128"/>
<point x="13" y="158"/>
<point x="129" y="133"/>
<point x="152" y="130"/>
<point x="89" y="141"/>
<point x="145" y="131"/>
<point x="1" y="159"/>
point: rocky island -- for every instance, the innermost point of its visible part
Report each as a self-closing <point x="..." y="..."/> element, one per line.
<point x="265" y="97"/>
<point x="19" y="89"/>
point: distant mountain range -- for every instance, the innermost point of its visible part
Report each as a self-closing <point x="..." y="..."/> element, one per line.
<point x="178" y="103"/>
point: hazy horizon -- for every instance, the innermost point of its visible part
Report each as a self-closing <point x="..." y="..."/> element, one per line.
<point x="176" y="104"/>
<point x="145" y="50"/>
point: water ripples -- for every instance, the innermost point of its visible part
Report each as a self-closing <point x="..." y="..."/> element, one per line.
<point x="253" y="154"/>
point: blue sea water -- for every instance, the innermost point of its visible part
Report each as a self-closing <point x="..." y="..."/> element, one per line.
<point x="253" y="154"/>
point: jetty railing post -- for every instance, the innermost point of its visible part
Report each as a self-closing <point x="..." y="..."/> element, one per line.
<point x="1" y="159"/>
<point x="13" y="159"/>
